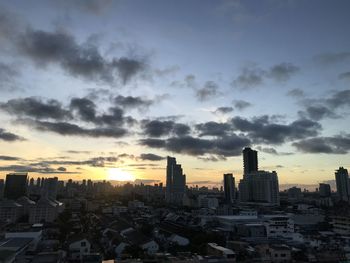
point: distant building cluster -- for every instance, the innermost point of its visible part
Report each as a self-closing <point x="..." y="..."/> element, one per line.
<point x="54" y="221"/>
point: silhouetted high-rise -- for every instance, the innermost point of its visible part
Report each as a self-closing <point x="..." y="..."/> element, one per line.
<point x="250" y="160"/>
<point x="229" y="188"/>
<point x="343" y="185"/>
<point x="16" y="185"/>
<point x="175" y="182"/>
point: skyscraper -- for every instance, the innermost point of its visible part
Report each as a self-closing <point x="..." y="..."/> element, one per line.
<point x="15" y="186"/>
<point x="175" y="182"/>
<point x="250" y="160"/>
<point x="257" y="186"/>
<point x="343" y="185"/>
<point x="50" y="188"/>
<point x="229" y="188"/>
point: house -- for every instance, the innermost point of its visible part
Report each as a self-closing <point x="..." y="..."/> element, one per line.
<point x="78" y="246"/>
<point x="215" y="250"/>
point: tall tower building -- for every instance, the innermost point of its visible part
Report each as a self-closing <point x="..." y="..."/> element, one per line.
<point x="343" y="185"/>
<point x="16" y="185"/>
<point x="250" y="160"/>
<point x="175" y="182"/>
<point x="229" y="188"/>
<point x="257" y="186"/>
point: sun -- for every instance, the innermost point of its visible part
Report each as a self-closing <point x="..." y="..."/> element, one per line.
<point x="118" y="174"/>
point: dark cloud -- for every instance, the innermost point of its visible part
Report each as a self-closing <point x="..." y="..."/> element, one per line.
<point x="154" y="143"/>
<point x="225" y="146"/>
<point x="80" y="60"/>
<point x="319" y="112"/>
<point x="208" y="91"/>
<point x="272" y="151"/>
<point x="283" y="71"/>
<point x="345" y="75"/>
<point x="263" y="130"/>
<point x="151" y="157"/>
<point x="85" y="108"/>
<point x="249" y="78"/>
<point x="9" y="158"/>
<point x="8" y="74"/>
<point x="35" y="108"/>
<point x="339" y="144"/>
<point x="31" y="169"/>
<point x="212" y="158"/>
<point x="241" y="104"/>
<point x="62" y="169"/>
<point x="330" y="58"/>
<point x="223" y="110"/>
<point x="96" y="7"/>
<point x="9" y="137"/>
<point x="339" y="99"/>
<point x="69" y="129"/>
<point x="155" y="128"/>
<point x="132" y="102"/>
<point x="296" y="93"/>
<point x="213" y="128"/>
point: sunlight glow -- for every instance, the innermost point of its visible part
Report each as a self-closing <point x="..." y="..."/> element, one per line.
<point x="120" y="175"/>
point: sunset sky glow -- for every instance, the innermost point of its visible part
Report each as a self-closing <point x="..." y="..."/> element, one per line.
<point x="107" y="89"/>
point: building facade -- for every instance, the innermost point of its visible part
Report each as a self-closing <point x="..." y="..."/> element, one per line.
<point x="175" y="182"/>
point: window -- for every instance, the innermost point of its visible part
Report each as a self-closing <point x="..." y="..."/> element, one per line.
<point x="83" y="244"/>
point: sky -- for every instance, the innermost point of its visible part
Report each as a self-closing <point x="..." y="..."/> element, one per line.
<point x="102" y="89"/>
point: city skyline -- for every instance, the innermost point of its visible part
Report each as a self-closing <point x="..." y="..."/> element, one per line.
<point x="107" y="90"/>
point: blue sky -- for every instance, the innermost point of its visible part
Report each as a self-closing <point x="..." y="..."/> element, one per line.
<point x="270" y="74"/>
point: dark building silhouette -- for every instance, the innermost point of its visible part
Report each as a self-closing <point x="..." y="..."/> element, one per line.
<point x="175" y="182"/>
<point x="343" y="185"/>
<point x="325" y="190"/>
<point x="250" y="160"/>
<point x="229" y="188"/>
<point x="15" y="186"/>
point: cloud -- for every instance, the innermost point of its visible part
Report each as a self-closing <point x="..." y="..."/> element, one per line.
<point x="9" y="137"/>
<point x="345" y="75"/>
<point x="319" y="112"/>
<point x="283" y="71"/>
<point x="225" y="146"/>
<point x="95" y="7"/>
<point x="213" y="128"/>
<point x="9" y="158"/>
<point x="208" y="91"/>
<point x="296" y="93"/>
<point x="253" y="76"/>
<point x="272" y="151"/>
<point x="223" y="110"/>
<point x="249" y="78"/>
<point x="132" y="102"/>
<point x="339" y="144"/>
<point x="263" y="130"/>
<point x="241" y="104"/>
<point x="31" y="169"/>
<point x="329" y="58"/>
<point x="156" y="128"/>
<point x="339" y="99"/>
<point x="35" y="108"/>
<point x="151" y="157"/>
<point x="8" y="73"/>
<point x="85" y="108"/>
<point x="212" y="158"/>
<point x="79" y="60"/>
<point x="69" y="129"/>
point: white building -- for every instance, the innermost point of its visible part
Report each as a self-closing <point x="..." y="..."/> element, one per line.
<point x="278" y="225"/>
<point x="78" y="246"/>
<point x="44" y="210"/>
